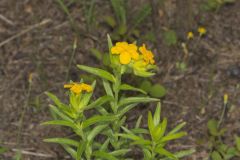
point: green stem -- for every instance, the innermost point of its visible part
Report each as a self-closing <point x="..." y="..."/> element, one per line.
<point x="222" y="115"/>
<point x="22" y="116"/>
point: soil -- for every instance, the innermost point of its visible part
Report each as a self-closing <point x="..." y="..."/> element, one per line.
<point x="42" y="46"/>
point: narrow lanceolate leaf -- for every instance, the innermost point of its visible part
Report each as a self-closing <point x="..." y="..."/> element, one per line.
<point x="177" y="128"/>
<point x="137" y="100"/>
<point x="120" y="152"/>
<point x="163" y="127"/>
<point x="95" y="132"/>
<point x="150" y="124"/>
<point x="104" y="155"/>
<point x="100" y="101"/>
<point x="98" y="119"/>
<point x="166" y="153"/>
<point x="126" y="109"/>
<point x="60" y="123"/>
<point x="128" y="87"/>
<point x="182" y="154"/>
<point x="98" y="72"/>
<point x="81" y="148"/>
<point x="60" y="114"/>
<point x="62" y="141"/>
<point x="86" y="97"/>
<point x="173" y="136"/>
<point x="156" y="117"/>
<point x="71" y="151"/>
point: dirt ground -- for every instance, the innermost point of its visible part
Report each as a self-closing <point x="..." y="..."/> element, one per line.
<point x="41" y="44"/>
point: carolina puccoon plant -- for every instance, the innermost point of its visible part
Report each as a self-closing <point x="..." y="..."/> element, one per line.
<point x="105" y="134"/>
<point x="218" y="149"/>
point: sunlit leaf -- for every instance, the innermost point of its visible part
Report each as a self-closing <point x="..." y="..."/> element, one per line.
<point x="98" y="72"/>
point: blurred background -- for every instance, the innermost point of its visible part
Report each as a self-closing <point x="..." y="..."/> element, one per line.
<point x="42" y="41"/>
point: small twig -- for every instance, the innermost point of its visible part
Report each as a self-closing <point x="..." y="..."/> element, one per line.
<point x="33" y="153"/>
<point x="6" y="20"/>
<point x="25" y="31"/>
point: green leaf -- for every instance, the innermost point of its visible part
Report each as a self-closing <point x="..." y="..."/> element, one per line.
<point x="110" y="44"/>
<point x="126" y="109"/>
<point x="116" y="4"/>
<point x="104" y="155"/>
<point x="98" y="72"/>
<point x="110" y="21"/>
<point x="87" y="96"/>
<point x="62" y="141"/>
<point x="100" y="101"/>
<point x="166" y="153"/>
<point x="146" y="86"/>
<point x="170" y="37"/>
<point x="107" y="88"/>
<point x="141" y="15"/>
<point x="136" y="100"/>
<point x="212" y="127"/>
<point x="216" y="156"/>
<point x="157" y="114"/>
<point x="157" y="91"/>
<point x="130" y="136"/>
<point x="138" y="123"/>
<point x="181" y="154"/>
<point x="237" y="141"/>
<point x="54" y="99"/>
<point x="60" y="123"/>
<point x="96" y="53"/>
<point x="81" y="148"/>
<point x="104" y="146"/>
<point x="150" y="124"/>
<point x="177" y="128"/>
<point x="163" y="127"/>
<point x="147" y="154"/>
<point x="122" y="29"/>
<point x="71" y="151"/>
<point x="97" y="119"/>
<point x="128" y="87"/>
<point x="173" y="136"/>
<point x="3" y="150"/>
<point x="60" y="114"/>
<point x="120" y="152"/>
<point x="95" y="132"/>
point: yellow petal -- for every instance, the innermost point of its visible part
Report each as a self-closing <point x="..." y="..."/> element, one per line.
<point x="125" y="58"/>
<point x="76" y="89"/>
<point x="68" y="85"/>
<point x="115" y="50"/>
<point x="135" y="55"/>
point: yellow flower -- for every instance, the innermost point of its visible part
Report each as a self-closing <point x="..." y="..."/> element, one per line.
<point x="190" y="35"/>
<point x="126" y="52"/>
<point x="78" y="87"/>
<point x="147" y="55"/>
<point x="225" y="98"/>
<point x="202" y="31"/>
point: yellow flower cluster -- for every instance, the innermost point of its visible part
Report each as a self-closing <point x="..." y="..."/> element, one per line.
<point x="78" y="87"/>
<point x="128" y="52"/>
<point x="201" y="31"/>
<point x="190" y="35"/>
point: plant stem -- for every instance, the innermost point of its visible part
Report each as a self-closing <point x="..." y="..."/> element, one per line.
<point x="222" y="115"/>
<point x="23" y="114"/>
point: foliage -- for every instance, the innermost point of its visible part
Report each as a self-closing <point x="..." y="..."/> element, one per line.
<point x="210" y="5"/>
<point x="122" y="28"/>
<point x="101" y="136"/>
<point x="154" y="148"/>
<point x="220" y="150"/>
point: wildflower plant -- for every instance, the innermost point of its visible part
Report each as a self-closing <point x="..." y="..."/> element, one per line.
<point x="104" y="135"/>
